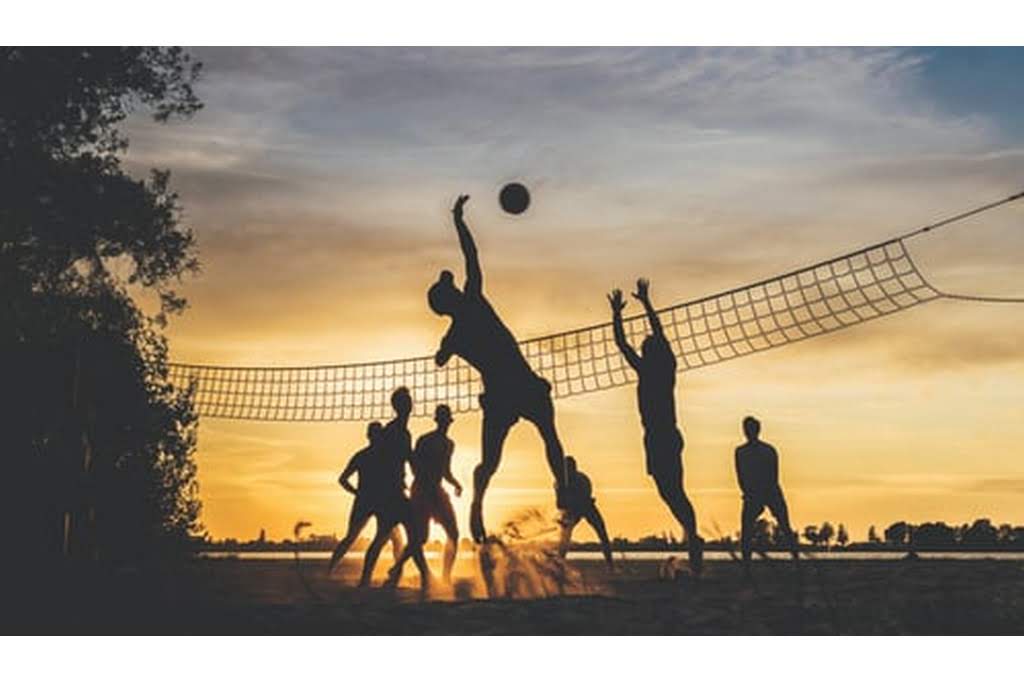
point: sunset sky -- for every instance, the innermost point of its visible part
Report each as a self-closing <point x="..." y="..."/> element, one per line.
<point x="319" y="183"/>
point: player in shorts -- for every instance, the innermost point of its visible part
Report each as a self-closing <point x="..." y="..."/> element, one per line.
<point x="511" y="389"/>
<point x="757" y="470"/>
<point x="392" y="507"/>
<point x="581" y="504"/>
<point x="365" y="464"/>
<point x="663" y="442"/>
<point x="431" y="465"/>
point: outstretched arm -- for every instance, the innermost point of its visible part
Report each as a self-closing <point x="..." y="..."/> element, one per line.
<point x="617" y="304"/>
<point x="474" y="276"/>
<point x="642" y="294"/>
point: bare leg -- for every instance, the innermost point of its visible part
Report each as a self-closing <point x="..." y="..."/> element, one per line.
<point x="670" y="488"/>
<point x="415" y="551"/>
<point x="416" y="528"/>
<point x="780" y="510"/>
<point x="678" y="504"/>
<point x="451" y="530"/>
<point x="544" y="420"/>
<point x="595" y="520"/>
<point x="567" y="523"/>
<point x="421" y="565"/>
<point x="376" y="545"/>
<point x="397" y="543"/>
<point x="414" y="538"/>
<point x="357" y="520"/>
<point x="494" y="432"/>
<point x="400" y="553"/>
<point x="751" y="511"/>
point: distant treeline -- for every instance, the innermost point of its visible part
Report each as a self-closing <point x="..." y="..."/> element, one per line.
<point x="981" y="534"/>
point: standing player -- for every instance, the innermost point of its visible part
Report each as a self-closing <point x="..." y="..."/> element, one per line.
<point x="663" y="442"/>
<point x="511" y="389"/>
<point x="757" y="470"/>
<point x="581" y="504"/>
<point x="431" y="464"/>
<point x="395" y="450"/>
<point x="367" y="464"/>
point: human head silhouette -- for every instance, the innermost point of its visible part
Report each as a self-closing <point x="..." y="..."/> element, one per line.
<point x="751" y="427"/>
<point x="570" y="464"/>
<point x="648" y="345"/>
<point x="401" y="401"/>
<point x="443" y="296"/>
<point x="443" y="415"/>
<point x="373" y="431"/>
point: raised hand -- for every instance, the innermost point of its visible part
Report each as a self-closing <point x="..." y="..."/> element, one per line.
<point x="642" y="293"/>
<point x="616" y="301"/>
<point x="459" y="203"/>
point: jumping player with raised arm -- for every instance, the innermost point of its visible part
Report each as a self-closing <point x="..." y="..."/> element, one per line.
<point x="511" y="389"/>
<point x="663" y="442"/>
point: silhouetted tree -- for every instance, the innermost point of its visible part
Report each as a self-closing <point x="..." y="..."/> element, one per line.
<point x="933" y="535"/>
<point x="99" y="438"/>
<point x="654" y="541"/>
<point x="873" y="535"/>
<point x="981" y="534"/>
<point x="825" y="534"/>
<point x="811" y="534"/>
<point x="897" y="534"/>
<point x="842" y="537"/>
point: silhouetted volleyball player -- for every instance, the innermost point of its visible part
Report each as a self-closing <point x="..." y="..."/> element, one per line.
<point x="431" y="464"/>
<point x="367" y="464"/>
<point x="757" y="470"/>
<point x="663" y="442"/>
<point x="511" y="389"/>
<point x="581" y="504"/>
<point x="395" y="450"/>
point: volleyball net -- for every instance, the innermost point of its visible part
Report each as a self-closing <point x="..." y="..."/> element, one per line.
<point x="825" y="297"/>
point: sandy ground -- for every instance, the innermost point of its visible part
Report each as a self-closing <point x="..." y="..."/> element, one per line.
<point x="835" y="597"/>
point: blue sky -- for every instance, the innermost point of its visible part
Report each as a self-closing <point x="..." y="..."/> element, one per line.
<point x="978" y="81"/>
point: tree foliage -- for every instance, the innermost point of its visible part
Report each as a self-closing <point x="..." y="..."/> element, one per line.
<point x="897" y="534"/>
<point x="98" y="435"/>
<point x="825" y="533"/>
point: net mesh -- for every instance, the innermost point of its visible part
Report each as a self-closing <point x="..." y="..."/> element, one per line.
<point x="828" y="296"/>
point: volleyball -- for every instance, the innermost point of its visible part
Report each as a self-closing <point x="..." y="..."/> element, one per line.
<point x="514" y="198"/>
